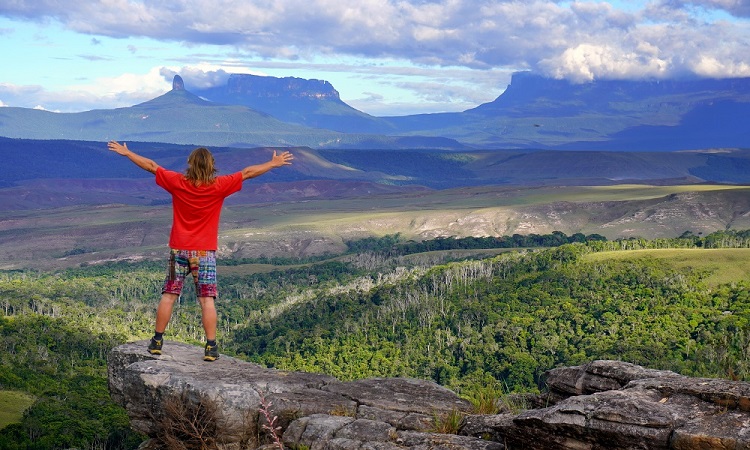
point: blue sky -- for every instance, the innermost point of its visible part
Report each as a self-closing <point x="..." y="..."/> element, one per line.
<point x="385" y="57"/>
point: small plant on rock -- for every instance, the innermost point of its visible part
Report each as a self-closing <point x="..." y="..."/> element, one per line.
<point x="270" y="425"/>
<point x="448" y="423"/>
<point x="187" y="424"/>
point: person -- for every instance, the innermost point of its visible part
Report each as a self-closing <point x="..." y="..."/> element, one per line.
<point x="197" y="199"/>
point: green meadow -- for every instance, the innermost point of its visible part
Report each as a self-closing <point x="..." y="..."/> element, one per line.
<point x="722" y="265"/>
<point x="12" y="406"/>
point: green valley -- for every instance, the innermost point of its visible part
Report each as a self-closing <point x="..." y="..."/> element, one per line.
<point x="465" y="312"/>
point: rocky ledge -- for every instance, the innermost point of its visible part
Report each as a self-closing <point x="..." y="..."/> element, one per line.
<point x="600" y="405"/>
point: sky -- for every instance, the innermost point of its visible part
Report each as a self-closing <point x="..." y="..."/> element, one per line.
<point x="384" y="57"/>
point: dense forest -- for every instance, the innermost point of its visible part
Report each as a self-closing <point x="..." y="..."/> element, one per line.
<point x="386" y="308"/>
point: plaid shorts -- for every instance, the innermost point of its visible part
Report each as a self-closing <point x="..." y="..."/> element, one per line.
<point x="200" y="263"/>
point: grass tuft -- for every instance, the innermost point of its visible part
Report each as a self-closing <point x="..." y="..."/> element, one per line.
<point x="448" y="423"/>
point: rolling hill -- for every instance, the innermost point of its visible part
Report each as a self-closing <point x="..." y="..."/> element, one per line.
<point x="303" y="219"/>
<point x="30" y="162"/>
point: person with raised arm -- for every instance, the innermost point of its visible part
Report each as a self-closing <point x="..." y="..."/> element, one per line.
<point x="197" y="199"/>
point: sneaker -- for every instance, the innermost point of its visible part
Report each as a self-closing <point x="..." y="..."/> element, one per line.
<point x="154" y="347"/>
<point x="211" y="353"/>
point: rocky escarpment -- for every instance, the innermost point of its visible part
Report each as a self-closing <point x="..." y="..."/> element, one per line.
<point x="264" y="86"/>
<point x="601" y="405"/>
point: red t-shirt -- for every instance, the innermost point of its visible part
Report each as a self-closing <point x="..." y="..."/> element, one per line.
<point x="196" y="210"/>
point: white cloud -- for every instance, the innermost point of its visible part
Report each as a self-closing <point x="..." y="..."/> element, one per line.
<point x="709" y="66"/>
<point x="145" y="85"/>
<point x="579" y="40"/>
<point x="587" y="62"/>
<point x="738" y="8"/>
<point x="41" y="108"/>
<point x="66" y="100"/>
<point x="499" y="33"/>
<point x="113" y="92"/>
<point x="205" y="75"/>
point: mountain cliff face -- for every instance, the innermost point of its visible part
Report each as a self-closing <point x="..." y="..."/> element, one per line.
<point x="622" y="115"/>
<point x="530" y="93"/>
<point x="248" y="86"/>
<point x="247" y="89"/>
<point x="313" y="103"/>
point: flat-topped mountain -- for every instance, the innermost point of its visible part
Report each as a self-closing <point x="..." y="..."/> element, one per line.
<point x="182" y="117"/>
<point x="314" y="103"/>
<point x="532" y="113"/>
<point x="538" y="112"/>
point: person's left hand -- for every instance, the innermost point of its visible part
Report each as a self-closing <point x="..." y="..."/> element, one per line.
<point x="283" y="159"/>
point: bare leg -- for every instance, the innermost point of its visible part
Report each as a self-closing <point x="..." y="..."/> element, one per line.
<point x="208" y="316"/>
<point x="164" y="311"/>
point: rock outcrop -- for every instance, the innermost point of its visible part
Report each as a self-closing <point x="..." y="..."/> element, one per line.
<point x="177" y="83"/>
<point x="263" y="86"/>
<point x="313" y="410"/>
<point x="601" y="405"/>
<point x="616" y="405"/>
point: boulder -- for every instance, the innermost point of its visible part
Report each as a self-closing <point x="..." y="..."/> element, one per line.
<point x="615" y="405"/>
<point x="232" y="404"/>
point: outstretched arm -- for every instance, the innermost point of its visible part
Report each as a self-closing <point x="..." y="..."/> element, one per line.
<point x="140" y="161"/>
<point x="284" y="159"/>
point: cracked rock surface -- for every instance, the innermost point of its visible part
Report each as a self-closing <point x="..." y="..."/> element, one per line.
<point x="314" y="410"/>
<point x="596" y="406"/>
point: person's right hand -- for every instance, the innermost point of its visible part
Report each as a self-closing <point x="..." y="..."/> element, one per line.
<point x="118" y="148"/>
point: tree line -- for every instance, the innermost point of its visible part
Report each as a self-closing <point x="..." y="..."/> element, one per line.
<point x="394" y="245"/>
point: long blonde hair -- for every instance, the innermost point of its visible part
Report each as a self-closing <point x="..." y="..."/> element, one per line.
<point x="201" y="169"/>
